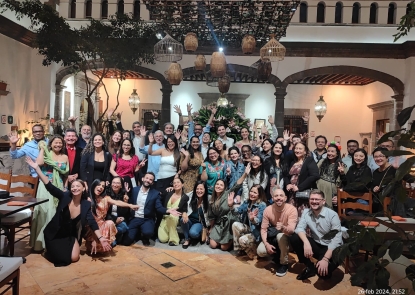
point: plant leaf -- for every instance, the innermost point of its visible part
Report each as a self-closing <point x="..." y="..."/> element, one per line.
<point x="404" y="115"/>
<point x="386" y="136"/>
<point x="382" y="250"/>
<point x="404" y="168"/>
<point x="396" y="153"/>
<point x="395" y="249"/>
<point x="382" y="278"/>
<point x="330" y="235"/>
<point x="384" y="262"/>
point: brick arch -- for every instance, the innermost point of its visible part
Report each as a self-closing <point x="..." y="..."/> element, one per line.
<point x="393" y="82"/>
<point x="166" y="88"/>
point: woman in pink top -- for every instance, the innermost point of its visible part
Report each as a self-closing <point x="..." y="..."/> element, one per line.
<point x="125" y="163"/>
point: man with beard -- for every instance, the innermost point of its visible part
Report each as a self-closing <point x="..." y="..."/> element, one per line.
<point x="320" y="220"/>
<point x="320" y="153"/>
<point x="143" y="220"/>
<point x="30" y="148"/>
<point x="281" y="218"/>
<point x="86" y="133"/>
<point x="196" y="129"/>
<point x="352" y="146"/>
<point x="73" y="153"/>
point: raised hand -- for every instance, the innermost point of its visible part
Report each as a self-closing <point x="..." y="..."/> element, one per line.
<point x="264" y="129"/>
<point x="248" y="169"/>
<point x="143" y="131"/>
<point x="174" y="212"/>
<point x="72" y="119"/>
<point x="228" y="171"/>
<point x="230" y="199"/>
<point x="189" y="108"/>
<point x="184" y="152"/>
<point x="151" y="138"/>
<point x="31" y="163"/>
<point x="304" y="136"/>
<point x="252" y="214"/>
<point x="379" y="135"/>
<point x="271" y="120"/>
<point x="119" y="116"/>
<point x="177" y="134"/>
<point x="306" y="117"/>
<point x="214" y="110"/>
<point x="177" y="109"/>
<point x="13" y="137"/>
<point x="286" y="135"/>
<point x="340" y="168"/>
<point x="126" y="187"/>
<point x="142" y="163"/>
<point x="184" y="136"/>
<point x="155" y="114"/>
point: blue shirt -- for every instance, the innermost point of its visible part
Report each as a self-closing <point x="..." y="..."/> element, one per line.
<point x="81" y="143"/>
<point x="29" y="149"/>
<point x="192" y="130"/>
<point x="153" y="161"/>
<point x="347" y="160"/>
<point x="237" y="170"/>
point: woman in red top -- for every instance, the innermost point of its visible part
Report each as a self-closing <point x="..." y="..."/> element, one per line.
<point x="125" y="163"/>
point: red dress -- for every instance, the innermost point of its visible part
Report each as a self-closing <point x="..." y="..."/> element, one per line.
<point x="125" y="167"/>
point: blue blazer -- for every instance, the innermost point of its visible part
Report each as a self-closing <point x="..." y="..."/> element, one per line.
<point x="153" y="203"/>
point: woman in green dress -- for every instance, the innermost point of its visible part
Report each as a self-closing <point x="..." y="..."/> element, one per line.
<point x="220" y="213"/>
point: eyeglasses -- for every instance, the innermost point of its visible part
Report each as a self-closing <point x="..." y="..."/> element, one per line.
<point x="38" y="131"/>
<point x="386" y="146"/>
<point x="379" y="157"/>
<point x="245" y="152"/>
<point x="316" y="200"/>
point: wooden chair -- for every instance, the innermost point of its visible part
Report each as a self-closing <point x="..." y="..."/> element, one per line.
<point x="10" y="274"/>
<point x="386" y="202"/>
<point x="15" y="221"/>
<point x="4" y="187"/>
<point x="347" y="200"/>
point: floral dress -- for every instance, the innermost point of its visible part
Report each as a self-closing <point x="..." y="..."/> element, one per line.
<point x="214" y="173"/>
<point x="107" y="227"/>
<point x="190" y="176"/>
<point x="44" y="212"/>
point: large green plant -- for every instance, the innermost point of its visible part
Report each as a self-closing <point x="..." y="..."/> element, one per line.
<point x="111" y="46"/>
<point x="407" y="22"/>
<point x="372" y="274"/>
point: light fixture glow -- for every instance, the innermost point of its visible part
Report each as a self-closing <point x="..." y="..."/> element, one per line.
<point x="320" y="108"/>
<point x="220" y="49"/>
<point x="134" y="101"/>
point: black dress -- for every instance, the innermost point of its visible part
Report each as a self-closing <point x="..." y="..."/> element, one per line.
<point x="60" y="248"/>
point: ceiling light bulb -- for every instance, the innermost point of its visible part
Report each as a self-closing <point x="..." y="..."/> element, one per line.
<point x="220" y="49"/>
<point x="170" y="48"/>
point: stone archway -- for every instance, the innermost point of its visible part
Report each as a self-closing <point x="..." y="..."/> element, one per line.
<point x="166" y="88"/>
<point x="396" y="85"/>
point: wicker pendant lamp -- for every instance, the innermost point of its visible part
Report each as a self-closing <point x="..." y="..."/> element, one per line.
<point x="224" y="83"/>
<point x="273" y="50"/>
<point x="168" y="50"/>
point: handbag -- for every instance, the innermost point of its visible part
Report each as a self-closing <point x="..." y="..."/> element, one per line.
<point x="272" y="233"/>
<point x="303" y="195"/>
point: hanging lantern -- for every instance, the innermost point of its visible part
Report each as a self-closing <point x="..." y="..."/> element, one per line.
<point x="168" y="50"/>
<point x="223" y="84"/>
<point x="174" y="74"/>
<point x="200" y="62"/>
<point x="222" y="101"/>
<point x="218" y="64"/>
<point x="320" y="108"/>
<point x="264" y="69"/>
<point x="134" y="101"/>
<point x="248" y="44"/>
<point x="273" y="50"/>
<point x="191" y="42"/>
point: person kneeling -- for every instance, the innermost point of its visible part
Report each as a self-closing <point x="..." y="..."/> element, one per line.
<point x="278" y="223"/>
<point x="167" y="232"/>
<point x="320" y="220"/>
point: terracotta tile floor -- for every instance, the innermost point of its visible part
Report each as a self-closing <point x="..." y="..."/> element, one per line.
<point x="138" y="270"/>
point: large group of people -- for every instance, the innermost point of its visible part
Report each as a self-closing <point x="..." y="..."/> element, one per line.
<point x="262" y="195"/>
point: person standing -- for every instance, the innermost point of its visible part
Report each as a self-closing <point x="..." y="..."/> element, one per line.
<point x="320" y="153"/>
<point x="74" y="154"/>
<point x="222" y="136"/>
<point x="352" y="146"/>
<point x="320" y="220"/>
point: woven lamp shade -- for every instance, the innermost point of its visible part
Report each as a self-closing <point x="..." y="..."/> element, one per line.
<point x="168" y="50"/>
<point x="273" y="50"/>
<point x="174" y="74"/>
<point x="218" y="64"/>
<point x="200" y="62"/>
<point x="248" y="44"/>
<point x="224" y="83"/>
<point x="191" y="42"/>
<point x="264" y="69"/>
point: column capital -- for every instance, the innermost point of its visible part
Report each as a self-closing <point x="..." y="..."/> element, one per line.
<point x="280" y="93"/>
<point x="398" y="97"/>
<point x="166" y="90"/>
<point x="59" y="88"/>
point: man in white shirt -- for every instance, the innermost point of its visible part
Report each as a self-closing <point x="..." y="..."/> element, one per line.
<point x="205" y="144"/>
<point x="143" y="220"/>
<point x="222" y="137"/>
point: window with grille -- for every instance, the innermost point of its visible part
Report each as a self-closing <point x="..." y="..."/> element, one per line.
<point x="295" y="124"/>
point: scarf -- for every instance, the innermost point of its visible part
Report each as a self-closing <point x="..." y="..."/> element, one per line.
<point x="57" y="170"/>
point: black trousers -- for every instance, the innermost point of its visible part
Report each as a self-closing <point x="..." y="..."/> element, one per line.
<point x="318" y="252"/>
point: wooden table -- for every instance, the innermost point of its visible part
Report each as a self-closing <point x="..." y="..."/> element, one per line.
<point x="9" y="210"/>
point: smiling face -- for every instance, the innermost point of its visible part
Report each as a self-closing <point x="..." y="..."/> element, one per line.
<point x="331" y="153"/>
<point x="222" y="131"/>
<point x="38" y="133"/>
<point x="352" y="147"/>
<point x="126" y="147"/>
<point x="300" y="150"/>
<point x="195" y="143"/>
<point x="86" y="132"/>
<point x="168" y="129"/>
<point x="56" y="145"/>
<point x="244" y="133"/>
<point x="316" y="202"/>
<point x="234" y="155"/>
<point x="266" y="146"/>
<point x="206" y="138"/>
<point x="200" y="190"/>
<point x="380" y="158"/>
<point x="99" y="188"/>
<point x="279" y="197"/>
<point x="320" y="143"/>
<point x="296" y="140"/>
<point x="116" y="137"/>
<point x="246" y="153"/>
<point x="116" y="185"/>
<point x="277" y="149"/>
<point x="126" y="135"/>
<point x="219" y="187"/>
<point x="159" y="137"/>
<point x="359" y="157"/>
<point x="213" y="155"/>
<point x="256" y="162"/>
<point x="387" y="145"/>
<point x="198" y="130"/>
<point x="254" y="194"/>
<point x="98" y="141"/>
<point x="218" y="144"/>
<point x="77" y="188"/>
<point x="177" y="184"/>
<point x="136" y="129"/>
<point x="70" y="138"/>
<point x="147" y="180"/>
<point x="171" y="145"/>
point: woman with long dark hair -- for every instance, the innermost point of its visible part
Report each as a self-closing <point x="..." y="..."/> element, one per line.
<point x="245" y="139"/>
<point x="100" y="205"/>
<point x="63" y="234"/>
<point x="234" y="167"/>
<point x="302" y="176"/>
<point x="247" y="231"/>
<point x="359" y="176"/>
<point x="212" y="169"/>
<point x="197" y="212"/>
<point x="125" y="162"/>
<point x="95" y="160"/>
<point x="275" y="167"/>
<point x="221" y="147"/>
<point x="190" y="162"/>
<point x="329" y="174"/>
<point x="256" y="175"/>
<point x="266" y="148"/>
<point x="169" y="162"/>
<point x="115" y="142"/>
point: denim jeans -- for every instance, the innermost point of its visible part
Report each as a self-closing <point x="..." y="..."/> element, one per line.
<point x="122" y="228"/>
<point x="194" y="230"/>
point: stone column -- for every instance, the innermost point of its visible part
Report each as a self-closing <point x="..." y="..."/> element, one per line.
<point x="397" y="109"/>
<point x="58" y="102"/>
<point x="165" y="104"/>
<point x="280" y="94"/>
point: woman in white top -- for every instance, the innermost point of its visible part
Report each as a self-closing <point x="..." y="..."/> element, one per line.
<point x="169" y="161"/>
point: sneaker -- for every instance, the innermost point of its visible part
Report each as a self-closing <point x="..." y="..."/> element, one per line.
<point x="282" y="270"/>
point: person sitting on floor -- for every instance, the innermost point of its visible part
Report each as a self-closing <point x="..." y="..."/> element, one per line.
<point x="320" y="220"/>
<point x="63" y="234"/>
<point x="278" y="224"/>
<point x="149" y="202"/>
<point x="167" y="231"/>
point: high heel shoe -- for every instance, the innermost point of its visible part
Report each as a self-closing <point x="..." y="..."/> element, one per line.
<point x="186" y="246"/>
